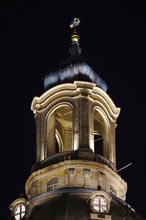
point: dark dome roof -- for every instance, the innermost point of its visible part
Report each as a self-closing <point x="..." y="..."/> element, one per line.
<point x="77" y="71"/>
<point x="74" y="206"/>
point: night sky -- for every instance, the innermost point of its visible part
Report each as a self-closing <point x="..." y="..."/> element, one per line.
<point x="35" y="39"/>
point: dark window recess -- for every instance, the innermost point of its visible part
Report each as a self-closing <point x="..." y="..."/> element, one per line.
<point x="98" y="187"/>
<point x="57" y="146"/>
<point x="98" y="144"/>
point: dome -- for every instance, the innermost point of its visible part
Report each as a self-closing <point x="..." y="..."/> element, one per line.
<point x="77" y="71"/>
<point x="74" y="204"/>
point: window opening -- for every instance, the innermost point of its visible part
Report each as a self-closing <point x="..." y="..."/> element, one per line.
<point x="52" y="184"/>
<point x="99" y="204"/>
<point x="98" y="187"/>
<point x="57" y="145"/>
<point x="19" y="212"/>
<point x="98" y="144"/>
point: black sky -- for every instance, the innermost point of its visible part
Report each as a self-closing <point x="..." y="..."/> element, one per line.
<point x="35" y="39"/>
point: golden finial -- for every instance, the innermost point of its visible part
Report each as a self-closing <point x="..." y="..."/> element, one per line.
<point x="74" y="24"/>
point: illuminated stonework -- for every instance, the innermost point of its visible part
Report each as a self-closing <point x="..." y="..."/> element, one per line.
<point x="74" y="113"/>
<point x="72" y="173"/>
<point x="73" y="120"/>
<point x="75" y="175"/>
<point x="18" y="208"/>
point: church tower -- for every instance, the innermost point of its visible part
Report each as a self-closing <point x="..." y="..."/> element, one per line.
<point x="75" y="175"/>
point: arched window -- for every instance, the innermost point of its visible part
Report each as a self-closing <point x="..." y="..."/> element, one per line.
<point x="59" y="130"/>
<point x="64" y="127"/>
<point x="19" y="212"/>
<point x="52" y="184"/>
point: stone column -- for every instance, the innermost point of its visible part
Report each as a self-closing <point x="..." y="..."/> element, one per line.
<point x="84" y="129"/>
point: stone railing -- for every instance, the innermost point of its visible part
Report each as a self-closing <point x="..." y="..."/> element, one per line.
<point x="69" y="155"/>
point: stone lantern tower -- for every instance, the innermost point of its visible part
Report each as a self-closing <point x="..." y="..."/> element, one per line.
<point x="75" y="175"/>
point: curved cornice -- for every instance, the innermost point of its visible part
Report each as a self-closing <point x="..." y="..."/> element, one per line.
<point x="74" y="90"/>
